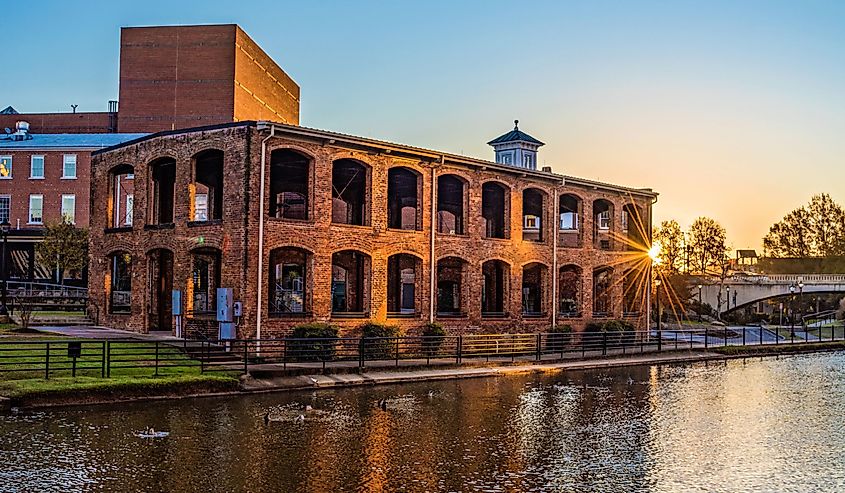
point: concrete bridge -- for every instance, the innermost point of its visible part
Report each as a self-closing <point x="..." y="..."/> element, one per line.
<point x="743" y="290"/>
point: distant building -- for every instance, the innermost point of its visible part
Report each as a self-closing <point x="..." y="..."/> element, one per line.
<point x="44" y="179"/>
<point x="175" y="77"/>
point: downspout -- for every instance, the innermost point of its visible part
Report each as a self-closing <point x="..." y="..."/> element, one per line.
<point x="650" y="274"/>
<point x="432" y="294"/>
<point x="259" y="290"/>
<point x="555" y="223"/>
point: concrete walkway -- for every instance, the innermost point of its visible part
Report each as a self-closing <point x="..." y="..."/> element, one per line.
<point x="93" y="332"/>
<point x="382" y="377"/>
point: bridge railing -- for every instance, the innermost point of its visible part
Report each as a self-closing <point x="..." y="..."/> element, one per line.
<point x="788" y="278"/>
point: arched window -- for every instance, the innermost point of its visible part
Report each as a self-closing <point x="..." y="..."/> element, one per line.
<point x="120" y="284"/>
<point x="603" y="224"/>
<point x="204" y="281"/>
<point x="633" y="226"/>
<point x="602" y="296"/>
<point x="122" y="188"/>
<point x="494" y="210"/>
<point x="451" y="195"/>
<point x="207" y="188"/>
<point x="163" y="181"/>
<point x="350" y="192"/>
<point x="533" y="211"/>
<point x="569" y="291"/>
<point x="494" y="289"/>
<point x="633" y="294"/>
<point x="160" y="275"/>
<point x="533" y="290"/>
<point x="350" y="283"/>
<point x="290" y="180"/>
<point x="289" y="282"/>
<point x="402" y="284"/>
<point x="450" y="287"/>
<point x="569" y="213"/>
<point x="403" y="205"/>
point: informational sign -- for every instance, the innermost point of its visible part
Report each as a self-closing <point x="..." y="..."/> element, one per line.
<point x="224" y="304"/>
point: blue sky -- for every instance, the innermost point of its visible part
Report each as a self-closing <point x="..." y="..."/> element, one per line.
<point x="735" y="110"/>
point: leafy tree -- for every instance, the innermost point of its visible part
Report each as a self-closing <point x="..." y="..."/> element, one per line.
<point x="671" y="238"/>
<point x="64" y="246"/>
<point x="814" y="230"/>
<point x="709" y="250"/>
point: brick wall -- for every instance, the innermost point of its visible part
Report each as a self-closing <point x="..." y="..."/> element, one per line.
<point x="237" y="235"/>
<point x="52" y="186"/>
<point x="61" y="123"/>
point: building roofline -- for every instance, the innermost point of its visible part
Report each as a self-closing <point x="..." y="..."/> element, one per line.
<point x="330" y="137"/>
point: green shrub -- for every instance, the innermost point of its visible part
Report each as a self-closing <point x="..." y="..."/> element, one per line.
<point x="434" y="335"/>
<point x="321" y="347"/>
<point x="376" y="346"/>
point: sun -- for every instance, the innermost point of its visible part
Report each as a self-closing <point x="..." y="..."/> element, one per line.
<point x="654" y="253"/>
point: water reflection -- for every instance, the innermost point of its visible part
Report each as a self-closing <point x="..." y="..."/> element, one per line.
<point x="770" y="425"/>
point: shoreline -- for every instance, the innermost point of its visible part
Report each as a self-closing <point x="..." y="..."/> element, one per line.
<point x="322" y="381"/>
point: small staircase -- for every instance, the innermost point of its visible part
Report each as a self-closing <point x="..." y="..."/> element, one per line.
<point x="210" y="354"/>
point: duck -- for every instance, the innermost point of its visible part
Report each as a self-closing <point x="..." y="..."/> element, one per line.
<point x="383" y="404"/>
<point x="300" y="418"/>
<point x="267" y="418"/>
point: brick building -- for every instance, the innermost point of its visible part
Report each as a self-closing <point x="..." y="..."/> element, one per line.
<point x="44" y="179"/>
<point x="310" y="225"/>
<point x="174" y="77"/>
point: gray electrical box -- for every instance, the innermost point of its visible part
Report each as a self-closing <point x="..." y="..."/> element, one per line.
<point x="224" y="304"/>
<point x="238" y="309"/>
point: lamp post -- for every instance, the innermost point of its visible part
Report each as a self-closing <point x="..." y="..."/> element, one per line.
<point x="657" y="300"/>
<point x="728" y="298"/>
<point x="801" y="301"/>
<point x="792" y="310"/>
<point x="4" y="229"/>
<point x="699" y="302"/>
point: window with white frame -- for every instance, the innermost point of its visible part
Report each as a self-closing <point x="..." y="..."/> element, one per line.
<point x="604" y="220"/>
<point x="130" y="204"/>
<point x="5" y="167"/>
<point x="36" y="209"/>
<point x="69" y="166"/>
<point x="569" y="220"/>
<point x="624" y="219"/>
<point x="506" y="158"/>
<point x="5" y="208"/>
<point x="36" y="167"/>
<point x="69" y="208"/>
<point x="531" y="222"/>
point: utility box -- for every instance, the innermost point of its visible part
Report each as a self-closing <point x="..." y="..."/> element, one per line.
<point x="176" y="302"/>
<point x="238" y="309"/>
<point x="225" y="301"/>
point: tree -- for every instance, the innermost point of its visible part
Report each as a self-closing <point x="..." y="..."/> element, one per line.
<point x="671" y="238"/>
<point x="707" y="240"/>
<point x="64" y="246"/>
<point x="814" y="230"/>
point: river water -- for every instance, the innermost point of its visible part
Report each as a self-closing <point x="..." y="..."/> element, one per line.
<point x="761" y="425"/>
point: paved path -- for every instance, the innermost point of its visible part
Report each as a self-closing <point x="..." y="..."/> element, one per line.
<point x="91" y="332"/>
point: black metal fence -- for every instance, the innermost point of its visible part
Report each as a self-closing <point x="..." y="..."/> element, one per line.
<point x="37" y="358"/>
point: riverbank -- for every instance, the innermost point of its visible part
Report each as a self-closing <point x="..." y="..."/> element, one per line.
<point x="91" y="391"/>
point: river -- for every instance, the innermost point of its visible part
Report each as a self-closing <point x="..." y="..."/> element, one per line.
<point x="762" y="425"/>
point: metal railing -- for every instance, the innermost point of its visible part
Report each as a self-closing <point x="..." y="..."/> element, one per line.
<point x="241" y="356"/>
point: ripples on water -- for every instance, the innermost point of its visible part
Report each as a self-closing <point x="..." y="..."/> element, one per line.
<point x="770" y="425"/>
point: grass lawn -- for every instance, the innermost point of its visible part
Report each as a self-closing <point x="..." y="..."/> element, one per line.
<point x="825" y="333"/>
<point x="778" y="349"/>
<point x="58" y="313"/>
<point x="135" y="367"/>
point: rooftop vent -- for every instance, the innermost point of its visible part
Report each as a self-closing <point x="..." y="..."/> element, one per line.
<point x="21" y="132"/>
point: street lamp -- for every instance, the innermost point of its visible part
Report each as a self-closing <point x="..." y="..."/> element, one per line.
<point x="657" y="299"/>
<point x="792" y="309"/>
<point x="699" y="302"/>
<point x="4" y="229"/>
<point x="728" y="298"/>
<point x="801" y="301"/>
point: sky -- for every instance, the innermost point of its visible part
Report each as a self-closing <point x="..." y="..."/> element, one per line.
<point x="732" y="110"/>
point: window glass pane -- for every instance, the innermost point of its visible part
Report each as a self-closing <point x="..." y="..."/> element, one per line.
<point x="5" y="166"/>
<point x="37" y="167"/>
<point x="130" y="206"/>
<point x="69" y="208"/>
<point x="69" y="168"/>
<point x="568" y="220"/>
<point x="35" y="206"/>
<point x="5" y="206"/>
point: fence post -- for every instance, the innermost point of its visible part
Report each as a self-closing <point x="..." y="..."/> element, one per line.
<point x="156" y="373"/>
<point x="538" y="347"/>
<point x="285" y="353"/>
<point x="460" y="348"/>
<point x="103" y="361"/>
<point x="108" y="359"/>
<point x="726" y="337"/>
<point x="743" y="335"/>
<point x="360" y="352"/>
<point x="246" y="356"/>
<point x="47" y="363"/>
<point x="761" y="336"/>
<point x="706" y="336"/>
<point x="604" y="344"/>
<point x="202" y="356"/>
